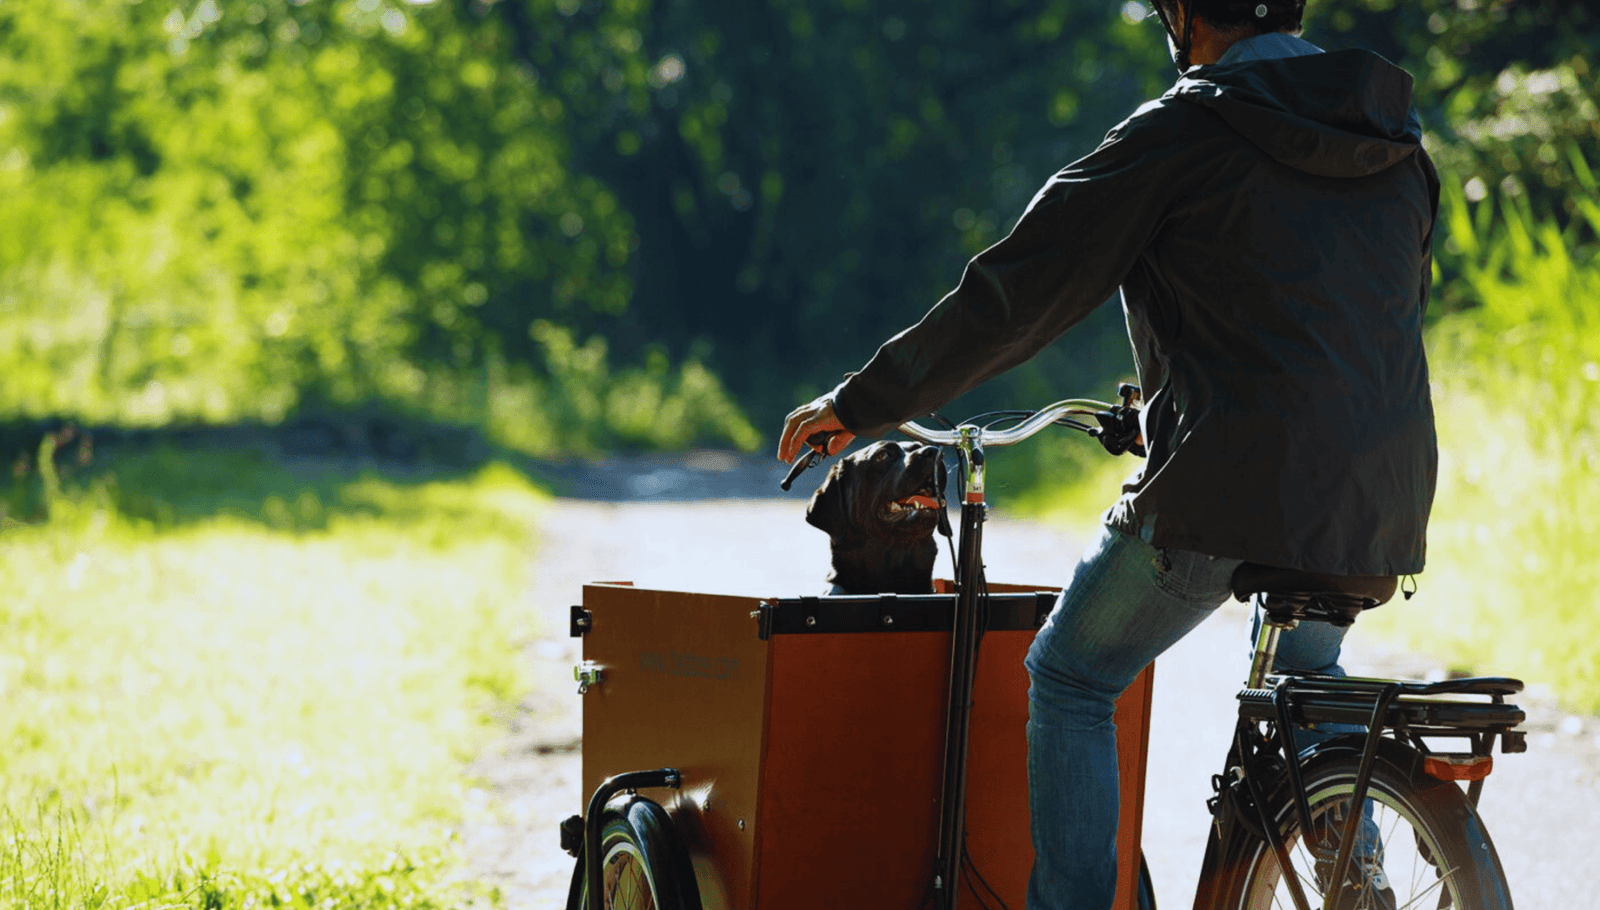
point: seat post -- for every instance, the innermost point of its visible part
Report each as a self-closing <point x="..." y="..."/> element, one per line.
<point x="1266" y="643"/>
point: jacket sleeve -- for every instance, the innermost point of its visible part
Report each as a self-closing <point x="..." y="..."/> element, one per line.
<point x="1066" y="255"/>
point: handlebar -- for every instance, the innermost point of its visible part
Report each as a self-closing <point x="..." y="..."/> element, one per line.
<point x="1115" y="425"/>
<point x="1030" y="426"/>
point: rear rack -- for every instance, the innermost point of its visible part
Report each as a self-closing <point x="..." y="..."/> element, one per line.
<point x="1422" y="708"/>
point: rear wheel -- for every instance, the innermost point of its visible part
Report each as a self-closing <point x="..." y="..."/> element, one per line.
<point x="643" y="864"/>
<point x="1420" y="846"/>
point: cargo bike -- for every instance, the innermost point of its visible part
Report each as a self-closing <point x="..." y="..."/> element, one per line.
<point x="826" y="751"/>
<point x="766" y="753"/>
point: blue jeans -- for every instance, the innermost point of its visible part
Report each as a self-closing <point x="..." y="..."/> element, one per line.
<point x="1126" y="603"/>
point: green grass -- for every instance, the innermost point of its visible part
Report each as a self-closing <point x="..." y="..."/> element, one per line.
<point x="230" y="684"/>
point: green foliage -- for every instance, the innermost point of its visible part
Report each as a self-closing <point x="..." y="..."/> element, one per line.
<point x="581" y="402"/>
<point x="1506" y="88"/>
<point x="229" y="684"/>
<point x="807" y="179"/>
<point x="653" y="405"/>
<point x="225" y="211"/>
<point x="219" y="212"/>
<point x="1512" y="581"/>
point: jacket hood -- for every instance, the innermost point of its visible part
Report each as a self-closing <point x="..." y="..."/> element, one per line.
<point x="1339" y="114"/>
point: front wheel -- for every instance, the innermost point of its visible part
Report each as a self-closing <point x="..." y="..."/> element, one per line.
<point x="1421" y="845"/>
<point x="643" y="863"/>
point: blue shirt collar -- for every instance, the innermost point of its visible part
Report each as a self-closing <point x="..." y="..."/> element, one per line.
<point x="1267" y="46"/>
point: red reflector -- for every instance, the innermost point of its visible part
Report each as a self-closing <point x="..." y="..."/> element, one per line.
<point x="1458" y="767"/>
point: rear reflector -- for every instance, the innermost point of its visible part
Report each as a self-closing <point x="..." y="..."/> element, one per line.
<point x="1458" y="767"/>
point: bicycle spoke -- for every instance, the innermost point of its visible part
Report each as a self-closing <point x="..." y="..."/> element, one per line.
<point x="626" y="884"/>
<point x="1396" y="863"/>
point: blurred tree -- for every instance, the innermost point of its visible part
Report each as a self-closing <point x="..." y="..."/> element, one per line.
<point x="807" y="178"/>
<point x="1508" y="93"/>
<point x="553" y="213"/>
<point x="217" y="211"/>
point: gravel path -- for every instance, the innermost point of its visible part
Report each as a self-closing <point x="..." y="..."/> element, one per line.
<point x="716" y="523"/>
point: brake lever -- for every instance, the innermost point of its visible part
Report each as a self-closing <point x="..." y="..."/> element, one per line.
<point x="818" y="442"/>
<point x="1119" y="431"/>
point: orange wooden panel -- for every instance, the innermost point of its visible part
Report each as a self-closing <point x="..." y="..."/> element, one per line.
<point x="998" y="838"/>
<point x="998" y="831"/>
<point x="851" y="779"/>
<point x="1002" y="848"/>
<point x="1133" y="758"/>
<point x="684" y="686"/>
<point x="851" y="776"/>
<point x="826" y="746"/>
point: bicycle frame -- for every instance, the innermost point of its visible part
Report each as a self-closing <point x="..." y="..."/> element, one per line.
<point x="969" y="441"/>
<point x="963" y="667"/>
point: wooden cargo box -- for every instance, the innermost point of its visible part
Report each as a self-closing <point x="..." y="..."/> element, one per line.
<point x="810" y="734"/>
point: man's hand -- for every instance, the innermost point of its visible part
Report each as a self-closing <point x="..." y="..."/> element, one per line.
<point x="810" y="418"/>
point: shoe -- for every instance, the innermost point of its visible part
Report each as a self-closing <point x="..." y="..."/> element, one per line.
<point x="1370" y="886"/>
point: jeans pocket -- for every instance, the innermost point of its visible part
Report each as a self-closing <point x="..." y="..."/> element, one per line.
<point x="1193" y="576"/>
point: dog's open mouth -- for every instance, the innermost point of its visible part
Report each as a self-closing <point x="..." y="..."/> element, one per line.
<point x="923" y="502"/>
<point x="918" y="503"/>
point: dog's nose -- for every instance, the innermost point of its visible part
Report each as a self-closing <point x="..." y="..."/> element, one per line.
<point x="926" y="457"/>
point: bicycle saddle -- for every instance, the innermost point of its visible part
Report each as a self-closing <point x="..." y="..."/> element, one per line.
<point x="1311" y="595"/>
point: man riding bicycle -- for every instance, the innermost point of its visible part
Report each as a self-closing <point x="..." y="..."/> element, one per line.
<point x="1268" y="221"/>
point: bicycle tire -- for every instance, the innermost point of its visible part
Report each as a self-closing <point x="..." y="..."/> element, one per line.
<point x="645" y="864"/>
<point x="1433" y="847"/>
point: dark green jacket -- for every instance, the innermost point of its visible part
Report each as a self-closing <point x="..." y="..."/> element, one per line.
<point x="1269" y="224"/>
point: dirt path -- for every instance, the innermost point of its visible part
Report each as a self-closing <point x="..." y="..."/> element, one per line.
<point x="653" y="522"/>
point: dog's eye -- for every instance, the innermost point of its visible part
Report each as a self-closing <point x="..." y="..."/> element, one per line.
<point x="883" y="454"/>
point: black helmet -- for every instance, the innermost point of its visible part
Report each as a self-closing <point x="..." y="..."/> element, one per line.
<point x="1259" y="16"/>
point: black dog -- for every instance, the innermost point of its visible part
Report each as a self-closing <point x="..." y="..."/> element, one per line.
<point x="880" y="507"/>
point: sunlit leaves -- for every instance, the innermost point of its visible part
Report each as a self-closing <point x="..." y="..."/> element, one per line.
<point x="1505" y="88"/>
<point x="241" y="202"/>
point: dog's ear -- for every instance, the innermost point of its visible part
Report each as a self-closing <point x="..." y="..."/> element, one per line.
<point x="829" y="508"/>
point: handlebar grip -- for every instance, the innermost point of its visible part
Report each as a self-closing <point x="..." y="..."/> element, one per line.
<point x="819" y="450"/>
<point x="800" y="465"/>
